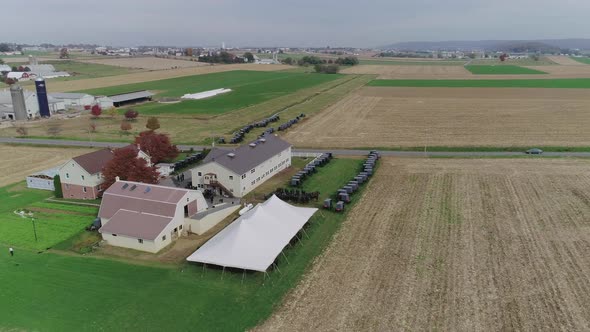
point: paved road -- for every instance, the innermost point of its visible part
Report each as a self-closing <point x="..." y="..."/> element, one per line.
<point x="335" y="151"/>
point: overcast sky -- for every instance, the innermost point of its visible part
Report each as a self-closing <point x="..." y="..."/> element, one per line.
<point x="290" y="23"/>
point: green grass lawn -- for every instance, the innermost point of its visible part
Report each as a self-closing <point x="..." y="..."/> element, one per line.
<point x="51" y="292"/>
<point x="501" y="70"/>
<point x="54" y="222"/>
<point x="584" y="60"/>
<point x="326" y="183"/>
<point x="564" y="83"/>
<point x="249" y="88"/>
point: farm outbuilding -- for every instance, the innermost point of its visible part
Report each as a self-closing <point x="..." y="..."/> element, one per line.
<point x="73" y="100"/>
<point x="255" y="239"/>
<point x="131" y="98"/>
<point x="43" y="180"/>
<point x="147" y="217"/>
<point x="237" y="172"/>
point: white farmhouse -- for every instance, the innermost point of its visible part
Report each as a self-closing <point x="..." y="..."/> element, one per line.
<point x="147" y="217"/>
<point x="237" y="172"/>
<point x="31" y="103"/>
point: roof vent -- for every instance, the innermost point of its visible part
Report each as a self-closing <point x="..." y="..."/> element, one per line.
<point x="147" y="190"/>
<point x="231" y="154"/>
<point x="125" y="186"/>
<point x="132" y="187"/>
<point x="263" y="140"/>
<point x="252" y="145"/>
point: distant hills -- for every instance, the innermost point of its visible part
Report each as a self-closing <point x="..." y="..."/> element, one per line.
<point x="544" y="45"/>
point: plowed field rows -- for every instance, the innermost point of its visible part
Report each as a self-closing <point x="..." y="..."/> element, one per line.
<point x="410" y="117"/>
<point x="455" y="245"/>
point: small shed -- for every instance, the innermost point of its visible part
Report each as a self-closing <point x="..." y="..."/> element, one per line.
<point x="43" y="180"/>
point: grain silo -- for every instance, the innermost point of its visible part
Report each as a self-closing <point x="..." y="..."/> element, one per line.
<point x="18" y="102"/>
<point x="42" y="97"/>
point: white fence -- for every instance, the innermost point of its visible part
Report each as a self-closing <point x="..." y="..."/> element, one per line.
<point x="305" y="154"/>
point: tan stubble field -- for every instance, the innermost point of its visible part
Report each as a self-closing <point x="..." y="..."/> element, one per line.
<point x="455" y="245"/>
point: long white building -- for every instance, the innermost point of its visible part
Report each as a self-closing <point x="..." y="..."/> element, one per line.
<point x="237" y="172"/>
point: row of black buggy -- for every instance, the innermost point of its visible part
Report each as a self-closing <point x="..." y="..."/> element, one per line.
<point x="189" y="160"/>
<point x="310" y="169"/>
<point x="238" y="136"/>
<point x="344" y="193"/>
<point x="295" y="195"/>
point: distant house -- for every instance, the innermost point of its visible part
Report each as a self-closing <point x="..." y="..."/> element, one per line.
<point x="5" y="68"/>
<point x="237" y="172"/>
<point x="21" y="75"/>
<point x="104" y="102"/>
<point x="73" y="100"/>
<point x="81" y="176"/>
<point x="147" y="217"/>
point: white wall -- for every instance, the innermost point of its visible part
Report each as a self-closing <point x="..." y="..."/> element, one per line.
<point x="38" y="183"/>
<point x="251" y="179"/>
<point x="72" y="173"/>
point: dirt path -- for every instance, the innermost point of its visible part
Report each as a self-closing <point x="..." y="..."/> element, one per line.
<point x="455" y="245"/>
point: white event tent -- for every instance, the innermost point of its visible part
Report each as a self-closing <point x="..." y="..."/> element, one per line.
<point x="253" y="241"/>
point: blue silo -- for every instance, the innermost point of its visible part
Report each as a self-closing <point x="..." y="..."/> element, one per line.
<point x="42" y="97"/>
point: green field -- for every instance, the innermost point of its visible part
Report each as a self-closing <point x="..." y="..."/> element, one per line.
<point x="54" y="222"/>
<point x="584" y="60"/>
<point x="51" y="292"/>
<point x="249" y="88"/>
<point x="562" y="83"/>
<point x="411" y="63"/>
<point x="501" y="70"/>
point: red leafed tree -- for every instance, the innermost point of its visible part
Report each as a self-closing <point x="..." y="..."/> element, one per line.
<point x="131" y="114"/>
<point x="503" y="57"/>
<point x="96" y="111"/>
<point x="158" y="146"/>
<point x="127" y="166"/>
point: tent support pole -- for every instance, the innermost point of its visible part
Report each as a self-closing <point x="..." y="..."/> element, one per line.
<point x="304" y="232"/>
<point x="243" y="276"/>
<point x="277" y="267"/>
<point x="222" y="273"/>
<point x="203" y="272"/>
<point x="282" y="252"/>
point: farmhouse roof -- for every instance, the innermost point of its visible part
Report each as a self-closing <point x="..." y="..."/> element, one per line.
<point x="248" y="156"/>
<point x="136" y="224"/>
<point x="130" y="96"/>
<point x="140" y="197"/>
<point x="94" y="162"/>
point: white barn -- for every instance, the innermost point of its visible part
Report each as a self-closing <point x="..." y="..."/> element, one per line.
<point x="43" y="180"/>
<point x="237" y="172"/>
<point x="73" y="100"/>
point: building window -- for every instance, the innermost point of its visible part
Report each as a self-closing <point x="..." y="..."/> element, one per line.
<point x="67" y="175"/>
<point x="253" y="182"/>
<point x="140" y="240"/>
<point x="67" y="186"/>
<point x="231" y="190"/>
<point x="84" y="189"/>
<point x="253" y="170"/>
<point x="244" y="176"/>
<point x="164" y="238"/>
<point x="175" y="229"/>
<point x="82" y="177"/>
<point x="180" y="227"/>
<point x="199" y="173"/>
<point x="231" y="177"/>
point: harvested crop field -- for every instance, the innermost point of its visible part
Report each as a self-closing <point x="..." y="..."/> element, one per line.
<point x="449" y="117"/>
<point x="149" y="63"/>
<point x="564" y="60"/>
<point x="19" y="161"/>
<point x="455" y="245"/>
<point x="95" y="83"/>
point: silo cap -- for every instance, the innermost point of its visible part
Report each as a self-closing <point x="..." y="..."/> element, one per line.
<point x="40" y="79"/>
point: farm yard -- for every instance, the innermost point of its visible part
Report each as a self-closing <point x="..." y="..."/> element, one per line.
<point x="148" y="63"/>
<point x="47" y="281"/>
<point x="449" y="117"/>
<point x="462" y="245"/>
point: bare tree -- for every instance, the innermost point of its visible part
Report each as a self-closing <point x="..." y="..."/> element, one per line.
<point x="54" y="128"/>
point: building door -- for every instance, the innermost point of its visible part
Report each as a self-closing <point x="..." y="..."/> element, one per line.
<point x="186" y="211"/>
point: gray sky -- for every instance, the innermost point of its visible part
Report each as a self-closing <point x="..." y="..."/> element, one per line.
<point x="290" y="23"/>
